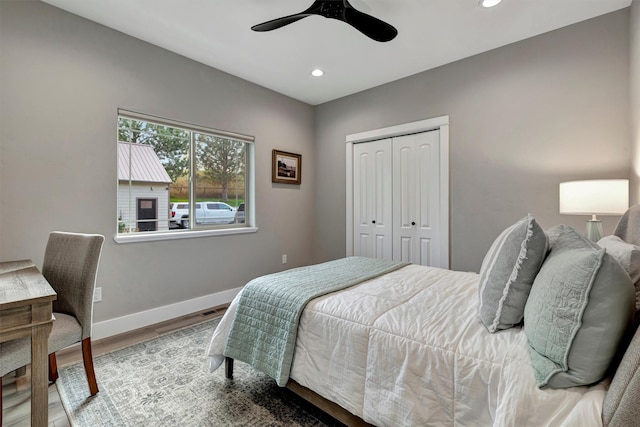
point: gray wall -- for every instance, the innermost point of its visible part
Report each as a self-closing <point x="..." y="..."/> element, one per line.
<point x="523" y="118"/>
<point x="62" y="80"/>
<point x="634" y="73"/>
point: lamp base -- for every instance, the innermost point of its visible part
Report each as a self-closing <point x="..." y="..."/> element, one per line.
<point x="594" y="230"/>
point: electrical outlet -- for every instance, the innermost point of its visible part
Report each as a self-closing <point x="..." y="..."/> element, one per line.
<point x="284" y="258"/>
<point x="97" y="295"/>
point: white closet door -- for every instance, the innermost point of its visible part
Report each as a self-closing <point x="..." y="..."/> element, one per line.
<point x="372" y="212"/>
<point x="416" y="187"/>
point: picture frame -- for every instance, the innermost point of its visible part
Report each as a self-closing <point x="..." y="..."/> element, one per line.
<point x="286" y="168"/>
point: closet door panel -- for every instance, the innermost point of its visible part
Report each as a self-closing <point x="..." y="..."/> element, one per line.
<point x="372" y="199"/>
<point x="416" y="183"/>
<point x="405" y="249"/>
<point x="425" y="252"/>
<point x="429" y="182"/>
<point x="404" y="186"/>
<point x="425" y="152"/>
<point x="361" y="204"/>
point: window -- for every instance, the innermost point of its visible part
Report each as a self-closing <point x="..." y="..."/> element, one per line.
<point x="171" y="172"/>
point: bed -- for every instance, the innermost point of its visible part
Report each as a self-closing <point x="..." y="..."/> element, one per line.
<point x="414" y="345"/>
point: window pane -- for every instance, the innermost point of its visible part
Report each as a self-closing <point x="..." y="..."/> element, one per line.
<point x="152" y="162"/>
<point x="219" y="176"/>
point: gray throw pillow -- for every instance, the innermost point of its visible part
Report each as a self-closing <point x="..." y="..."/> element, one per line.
<point x="507" y="273"/>
<point x="580" y="306"/>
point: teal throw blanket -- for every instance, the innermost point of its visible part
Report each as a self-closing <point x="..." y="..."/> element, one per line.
<point x="265" y="325"/>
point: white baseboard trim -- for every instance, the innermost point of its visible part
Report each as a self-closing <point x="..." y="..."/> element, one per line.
<point x="145" y="318"/>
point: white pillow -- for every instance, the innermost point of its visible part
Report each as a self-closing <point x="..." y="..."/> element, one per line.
<point x="628" y="255"/>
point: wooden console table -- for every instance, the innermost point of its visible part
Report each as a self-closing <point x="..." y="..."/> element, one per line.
<point x="26" y="310"/>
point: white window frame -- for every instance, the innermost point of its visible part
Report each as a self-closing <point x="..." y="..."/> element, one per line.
<point x="250" y="217"/>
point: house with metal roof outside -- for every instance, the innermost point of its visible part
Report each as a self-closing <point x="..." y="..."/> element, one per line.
<point x="143" y="193"/>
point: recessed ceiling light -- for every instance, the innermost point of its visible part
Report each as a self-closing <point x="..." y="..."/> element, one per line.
<point x="489" y="3"/>
<point x="317" y="72"/>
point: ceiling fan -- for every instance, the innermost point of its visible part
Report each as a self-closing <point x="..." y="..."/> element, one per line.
<point x="342" y="11"/>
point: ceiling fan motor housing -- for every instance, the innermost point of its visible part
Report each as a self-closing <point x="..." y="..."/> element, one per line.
<point x="332" y="9"/>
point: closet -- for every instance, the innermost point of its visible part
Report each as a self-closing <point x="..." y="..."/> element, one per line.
<point x="397" y="202"/>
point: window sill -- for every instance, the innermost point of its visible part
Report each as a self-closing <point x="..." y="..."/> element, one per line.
<point x="192" y="234"/>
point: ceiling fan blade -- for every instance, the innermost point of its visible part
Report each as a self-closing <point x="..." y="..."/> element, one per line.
<point x="279" y="22"/>
<point x="368" y="25"/>
<point x="314" y="9"/>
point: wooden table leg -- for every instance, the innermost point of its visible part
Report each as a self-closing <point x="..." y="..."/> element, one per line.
<point x="39" y="379"/>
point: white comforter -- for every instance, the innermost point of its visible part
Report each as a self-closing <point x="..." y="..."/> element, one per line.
<point x="407" y="349"/>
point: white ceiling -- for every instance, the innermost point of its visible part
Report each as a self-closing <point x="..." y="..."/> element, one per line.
<point x="431" y="33"/>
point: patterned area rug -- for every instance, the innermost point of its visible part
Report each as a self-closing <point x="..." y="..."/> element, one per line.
<point x="166" y="382"/>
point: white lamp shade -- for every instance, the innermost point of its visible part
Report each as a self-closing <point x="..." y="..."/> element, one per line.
<point x="595" y="197"/>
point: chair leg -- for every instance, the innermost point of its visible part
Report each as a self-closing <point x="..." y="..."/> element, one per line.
<point x="53" y="368"/>
<point x="87" y="358"/>
<point x="0" y="401"/>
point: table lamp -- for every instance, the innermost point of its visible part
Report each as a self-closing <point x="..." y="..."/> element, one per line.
<point x="594" y="197"/>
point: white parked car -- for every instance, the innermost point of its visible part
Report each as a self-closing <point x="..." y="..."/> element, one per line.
<point x="206" y="213"/>
<point x="177" y="211"/>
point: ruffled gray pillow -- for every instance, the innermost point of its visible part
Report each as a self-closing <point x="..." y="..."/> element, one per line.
<point x="507" y="273"/>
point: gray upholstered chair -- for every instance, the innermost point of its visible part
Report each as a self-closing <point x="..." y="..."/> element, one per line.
<point x="70" y="266"/>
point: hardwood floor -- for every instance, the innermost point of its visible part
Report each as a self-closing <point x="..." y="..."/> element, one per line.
<point x="16" y="392"/>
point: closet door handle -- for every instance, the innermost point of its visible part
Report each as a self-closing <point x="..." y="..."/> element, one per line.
<point x="373" y="222"/>
<point x="413" y="223"/>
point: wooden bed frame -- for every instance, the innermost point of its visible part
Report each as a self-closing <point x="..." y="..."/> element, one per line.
<point x="327" y="406"/>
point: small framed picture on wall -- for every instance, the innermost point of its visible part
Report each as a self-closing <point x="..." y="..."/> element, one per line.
<point x="286" y="167"/>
